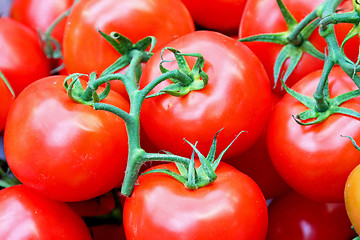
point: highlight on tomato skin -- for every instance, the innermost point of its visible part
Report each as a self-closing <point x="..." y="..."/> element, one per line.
<point x="136" y="19"/>
<point x="22" y="61"/>
<point x="352" y="198"/>
<point x="28" y="215"/>
<point x="316" y="160"/>
<point x="198" y="115"/>
<point x="69" y="151"/>
<point x="232" y="207"/>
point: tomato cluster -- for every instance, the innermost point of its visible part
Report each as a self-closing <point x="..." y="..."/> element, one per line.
<point x="79" y="161"/>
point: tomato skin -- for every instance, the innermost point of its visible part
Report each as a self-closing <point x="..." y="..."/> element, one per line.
<point x="27" y="12"/>
<point x="6" y="100"/>
<point x="65" y="150"/>
<point x="292" y="216"/>
<point x="352" y="198"/>
<point x="160" y="207"/>
<point x="256" y="163"/>
<point x="257" y="21"/>
<point x="85" y="50"/>
<point x="315" y="160"/>
<point x="218" y="15"/>
<point x="22" y="59"/>
<point x="27" y="215"/>
<point x="197" y="116"/>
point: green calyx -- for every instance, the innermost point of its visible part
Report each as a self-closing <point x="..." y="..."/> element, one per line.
<point x="321" y="108"/>
<point x="192" y="80"/>
<point x="192" y="177"/>
<point x="295" y="41"/>
<point x="76" y="92"/>
<point x="3" y="78"/>
<point x="125" y="47"/>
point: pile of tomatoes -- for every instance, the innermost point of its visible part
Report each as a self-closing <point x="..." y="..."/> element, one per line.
<point x="63" y="162"/>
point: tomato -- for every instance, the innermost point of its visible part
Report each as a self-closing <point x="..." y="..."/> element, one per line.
<point x="237" y="98"/>
<point x="292" y="216"/>
<point x="65" y="150"/>
<point x="352" y="198"/>
<point x="27" y="12"/>
<point x="86" y="51"/>
<point x="315" y="160"/>
<point x="218" y="15"/>
<point x="257" y="21"/>
<point x="160" y="207"/>
<point x="256" y="163"/>
<point x="27" y="215"/>
<point x="22" y="59"/>
<point x="6" y="100"/>
<point x="101" y="205"/>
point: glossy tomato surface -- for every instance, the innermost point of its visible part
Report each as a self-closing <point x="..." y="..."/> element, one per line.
<point x="28" y="13"/>
<point x="85" y="50"/>
<point x="352" y="198"/>
<point x="237" y="98"/>
<point x="6" y="100"/>
<point x="315" y="160"/>
<point x="292" y="216"/>
<point x="65" y="150"/>
<point x="256" y="163"/>
<point x="257" y="21"/>
<point x="160" y="207"/>
<point x="22" y="59"/>
<point x="28" y="215"/>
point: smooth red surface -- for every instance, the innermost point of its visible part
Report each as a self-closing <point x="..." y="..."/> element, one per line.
<point x="65" y="150"/>
<point x="295" y="217"/>
<point x="160" y="207"/>
<point x="22" y="59"/>
<point x="85" y="50"/>
<point x="6" y="100"/>
<point x="27" y="215"/>
<point x="315" y="160"/>
<point x="40" y="14"/>
<point x="237" y="98"/>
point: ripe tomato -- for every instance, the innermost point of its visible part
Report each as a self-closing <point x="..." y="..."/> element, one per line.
<point x="22" y="59"/>
<point x="6" y="100"/>
<point x="257" y="21"/>
<point x="27" y="215"/>
<point x="219" y="15"/>
<point x="27" y="12"/>
<point x="160" y="207"/>
<point x="256" y="163"/>
<point x="352" y="198"/>
<point x="85" y="50"/>
<point x="315" y="160"/>
<point x="65" y="150"/>
<point x="236" y="98"/>
<point x="292" y="216"/>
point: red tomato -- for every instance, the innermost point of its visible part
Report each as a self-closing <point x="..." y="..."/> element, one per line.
<point x="295" y="217"/>
<point x="28" y="13"/>
<point x="220" y="15"/>
<point x="315" y="160"/>
<point x="160" y="207"/>
<point x="257" y="21"/>
<point x="65" y="150"/>
<point x="6" y="100"/>
<point x="27" y="215"/>
<point x="352" y="198"/>
<point x="22" y="59"/>
<point x="85" y="50"/>
<point x="108" y="232"/>
<point x="256" y="163"/>
<point x="237" y="98"/>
